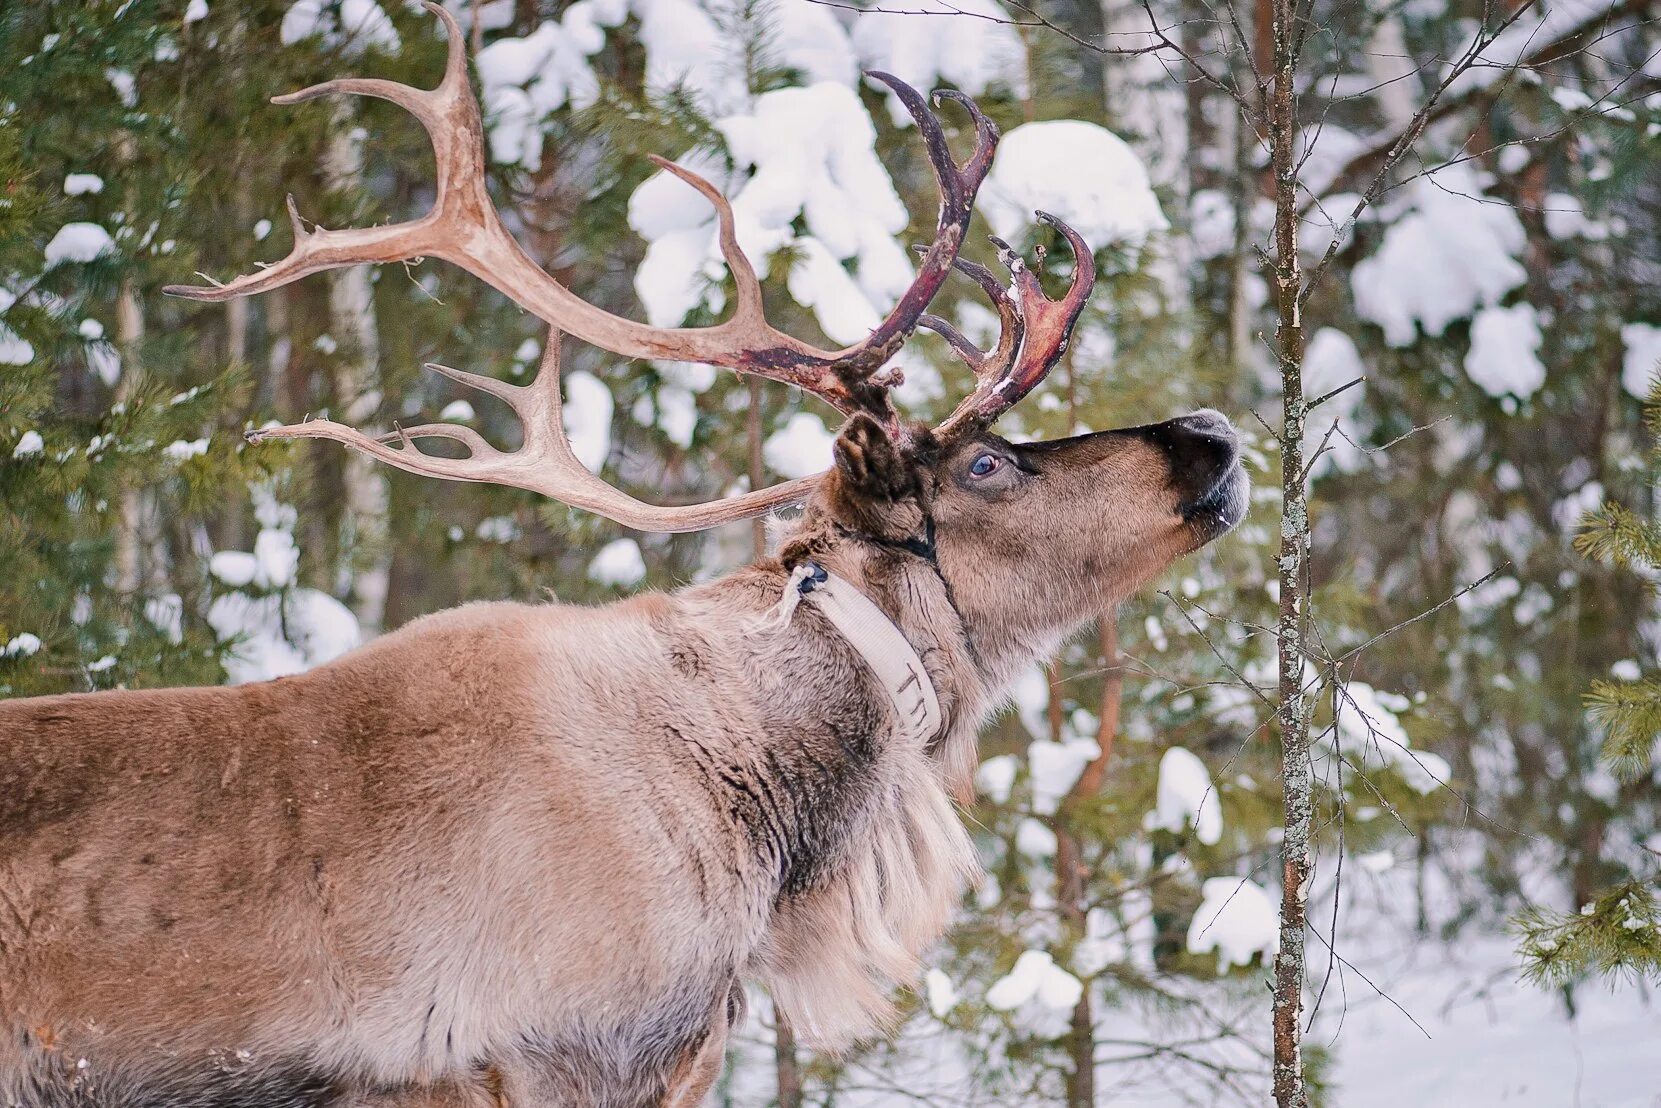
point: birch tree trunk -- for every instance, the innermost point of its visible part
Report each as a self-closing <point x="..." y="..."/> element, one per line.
<point x="1293" y="710"/>
<point x="365" y="539"/>
<point x="129" y="337"/>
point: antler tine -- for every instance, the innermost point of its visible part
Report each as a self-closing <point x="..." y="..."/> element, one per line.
<point x="993" y="363"/>
<point x="958" y="185"/>
<point x="464" y="228"/>
<point x="746" y="285"/>
<point x="450" y="116"/>
<point x="544" y="464"/>
<point x="1044" y="328"/>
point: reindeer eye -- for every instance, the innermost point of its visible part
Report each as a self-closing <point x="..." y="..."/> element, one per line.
<point x="986" y="465"/>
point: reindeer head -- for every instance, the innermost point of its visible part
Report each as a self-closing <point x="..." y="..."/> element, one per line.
<point x="1031" y="537"/>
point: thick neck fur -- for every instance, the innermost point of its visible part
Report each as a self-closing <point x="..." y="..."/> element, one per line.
<point x="879" y="857"/>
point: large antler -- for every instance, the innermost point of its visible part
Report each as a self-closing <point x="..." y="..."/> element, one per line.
<point x="1033" y="336"/>
<point x="544" y="463"/>
<point x="464" y="228"/>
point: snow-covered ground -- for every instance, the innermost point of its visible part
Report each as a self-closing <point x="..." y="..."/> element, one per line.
<point x="1493" y="1039"/>
<point x="1440" y="1024"/>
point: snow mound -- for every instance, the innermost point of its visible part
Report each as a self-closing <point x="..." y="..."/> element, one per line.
<point x="21" y="645"/>
<point x="941" y="994"/>
<point x="80" y="184"/>
<point x="1370" y="733"/>
<point x="1331" y="361"/>
<point x="1504" y="355"/>
<point x="587" y="415"/>
<point x="281" y="634"/>
<point x="1078" y="171"/>
<point x="801" y="448"/>
<point x="1453" y="253"/>
<point x="1185" y="796"/>
<point x="618" y="563"/>
<point x="1035" y="976"/>
<point x="14" y="349"/>
<point x="1641" y="360"/>
<point x="78" y="242"/>
<point x="1237" y="919"/>
<point x="1056" y="768"/>
<point x="969" y="43"/>
<point x="996" y="777"/>
<point x="1034" y="839"/>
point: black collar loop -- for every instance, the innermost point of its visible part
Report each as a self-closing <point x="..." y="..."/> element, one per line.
<point x="923" y="548"/>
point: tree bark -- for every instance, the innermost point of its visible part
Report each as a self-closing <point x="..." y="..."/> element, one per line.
<point x="366" y="538"/>
<point x="135" y="503"/>
<point x="785" y="1064"/>
<point x="1069" y="859"/>
<point x="1294" y="706"/>
<point x="758" y="473"/>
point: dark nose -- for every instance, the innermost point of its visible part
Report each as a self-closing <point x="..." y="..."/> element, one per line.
<point x="1202" y="448"/>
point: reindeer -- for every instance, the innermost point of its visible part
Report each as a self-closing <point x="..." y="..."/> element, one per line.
<point x="521" y="856"/>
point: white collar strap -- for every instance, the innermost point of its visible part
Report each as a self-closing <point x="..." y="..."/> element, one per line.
<point x="875" y="639"/>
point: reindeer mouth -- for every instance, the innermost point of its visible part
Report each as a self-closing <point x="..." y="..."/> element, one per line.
<point x="1221" y="507"/>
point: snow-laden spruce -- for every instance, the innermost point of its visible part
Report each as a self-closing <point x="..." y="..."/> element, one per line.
<point x="1185" y="797"/>
<point x="1455" y="251"/>
<point x="349" y="26"/>
<point x="618" y="563"/>
<point x="1504" y="358"/>
<point x="274" y="627"/>
<point x="800" y="153"/>
<point x="1078" y="171"/>
<point x="1237" y="919"/>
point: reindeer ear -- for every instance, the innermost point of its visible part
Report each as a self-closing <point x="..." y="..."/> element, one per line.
<point x="874" y="486"/>
<point x="869" y="464"/>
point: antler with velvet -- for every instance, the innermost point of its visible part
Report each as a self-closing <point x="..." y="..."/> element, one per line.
<point x="1034" y="331"/>
<point x="464" y="228"/>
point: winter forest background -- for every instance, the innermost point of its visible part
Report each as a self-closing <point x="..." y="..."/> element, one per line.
<point x="1483" y="927"/>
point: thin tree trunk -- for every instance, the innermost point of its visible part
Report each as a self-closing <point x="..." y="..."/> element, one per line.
<point x="366" y="539"/>
<point x="129" y="543"/>
<point x="1069" y="860"/>
<point x="1241" y="199"/>
<point x="758" y="475"/>
<point x="785" y="1064"/>
<point x="1294" y="707"/>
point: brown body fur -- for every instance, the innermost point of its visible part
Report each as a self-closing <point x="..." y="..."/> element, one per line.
<point x="520" y="855"/>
